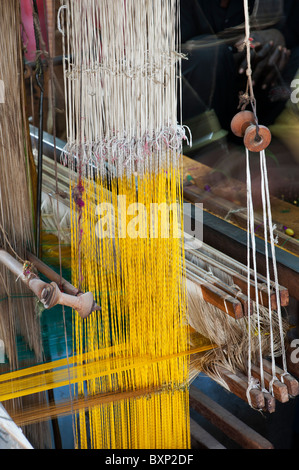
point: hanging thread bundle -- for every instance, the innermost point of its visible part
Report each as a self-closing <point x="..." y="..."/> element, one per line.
<point x="121" y="66"/>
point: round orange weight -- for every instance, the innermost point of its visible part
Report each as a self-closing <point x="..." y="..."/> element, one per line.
<point x="254" y="143"/>
<point x="241" y="121"/>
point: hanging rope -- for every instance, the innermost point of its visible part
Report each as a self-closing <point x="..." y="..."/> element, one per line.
<point x="249" y="88"/>
<point x="251" y="237"/>
<point x="268" y="225"/>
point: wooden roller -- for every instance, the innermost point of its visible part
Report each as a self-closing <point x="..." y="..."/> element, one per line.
<point x="49" y="294"/>
<point x="255" y="138"/>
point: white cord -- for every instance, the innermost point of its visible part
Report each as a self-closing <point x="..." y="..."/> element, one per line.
<point x="63" y="7"/>
<point x="272" y="244"/>
<point x="251" y="237"/>
<point x="268" y="226"/>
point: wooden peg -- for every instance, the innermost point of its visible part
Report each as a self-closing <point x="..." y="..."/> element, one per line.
<point x="291" y="383"/>
<point x="280" y="390"/>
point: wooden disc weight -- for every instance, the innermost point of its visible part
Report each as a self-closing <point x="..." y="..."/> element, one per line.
<point x="241" y="121"/>
<point x="243" y="125"/>
<point x="254" y="142"/>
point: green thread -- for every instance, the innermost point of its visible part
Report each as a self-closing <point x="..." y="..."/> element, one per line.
<point x="16" y="296"/>
<point x="290" y="238"/>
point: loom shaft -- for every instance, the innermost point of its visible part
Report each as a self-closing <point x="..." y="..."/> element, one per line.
<point x="49" y="294"/>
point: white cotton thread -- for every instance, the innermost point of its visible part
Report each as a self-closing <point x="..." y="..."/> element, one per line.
<point x="234" y="211"/>
<point x="63" y="7"/>
<point x="252" y="384"/>
<point x="248" y="193"/>
<point x="127" y="114"/>
<point x="266" y="224"/>
<point x="271" y="384"/>
<point x="225" y="304"/>
<point x="239" y="290"/>
<point x="251" y="237"/>
<point x="282" y="376"/>
<point x="274" y="263"/>
<point x="123" y="150"/>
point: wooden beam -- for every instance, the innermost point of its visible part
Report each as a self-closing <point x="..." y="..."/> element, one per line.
<point x="234" y="428"/>
<point x="242" y="269"/>
<point x="230" y="290"/>
<point x="52" y="275"/>
<point x="288" y="271"/>
<point x="37" y="414"/>
<point x="200" y="438"/>
<point x="239" y="385"/>
<point x="270" y="402"/>
<point x="215" y="296"/>
<point x="234" y="214"/>
<point x="241" y="280"/>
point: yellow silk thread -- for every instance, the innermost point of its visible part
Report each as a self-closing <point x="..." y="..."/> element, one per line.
<point x="137" y="277"/>
<point x="140" y="338"/>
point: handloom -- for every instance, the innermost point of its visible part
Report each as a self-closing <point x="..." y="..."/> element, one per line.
<point x="163" y="306"/>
